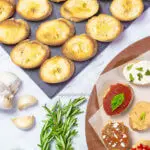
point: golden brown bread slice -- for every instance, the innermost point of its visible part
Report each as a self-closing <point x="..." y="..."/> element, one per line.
<point x="34" y="10"/>
<point x="70" y="24"/>
<point x="139" y="116"/>
<point x="115" y="136"/>
<point x="78" y="10"/>
<point x="12" y="31"/>
<point x="7" y="9"/>
<point x="126" y="10"/>
<point x="80" y="48"/>
<point x="104" y="28"/>
<point x="58" y="1"/>
<point x="29" y="54"/>
<point x="56" y="70"/>
<point x="54" y="32"/>
<point x="143" y="142"/>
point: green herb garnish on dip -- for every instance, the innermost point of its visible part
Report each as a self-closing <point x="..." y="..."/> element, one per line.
<point x="131" y="77"/>
<point x="117" y="101"/>
<point x="139" y="69"/>
<point x="129" y="67"/>
<point x="147" y="73"/>
<point x="140" y="76"/>
<point x="143" y="116"/>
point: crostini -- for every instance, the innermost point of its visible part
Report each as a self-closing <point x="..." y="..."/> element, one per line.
<point x="142" y="145"/>
<point x="56" y="70"/>
<point x="126" y="10"/>
<point x="137" y="72"/>
<point x="58" y="1"/>
<point x="104" y="28"/>
<point x="80" y="48"/>
<point x="139" y="116"/>
<point x="117" y="99"/>
<point x="29" y="54"/>
<point x="12" y="31"/>
<point x="115" y="136"/>
<point x="70" y="24"/>
<point x="79" y="10"/>
<point x="54" y="32"/>
<point x="7" y="9"/>
<point x="34" y="10"/>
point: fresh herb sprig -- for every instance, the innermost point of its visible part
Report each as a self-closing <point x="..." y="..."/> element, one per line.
<point x="60" y="125"/>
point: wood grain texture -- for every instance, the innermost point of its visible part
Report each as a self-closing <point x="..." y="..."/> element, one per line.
<point x="126" y="55"/>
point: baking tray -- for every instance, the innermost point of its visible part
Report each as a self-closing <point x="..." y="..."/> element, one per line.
<point x="52" y="89"/>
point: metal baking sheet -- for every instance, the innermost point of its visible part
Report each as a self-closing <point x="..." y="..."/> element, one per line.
<point x="49" y="89"/>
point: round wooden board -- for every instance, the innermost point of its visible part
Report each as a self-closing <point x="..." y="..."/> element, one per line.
<point x="129" y="53"/>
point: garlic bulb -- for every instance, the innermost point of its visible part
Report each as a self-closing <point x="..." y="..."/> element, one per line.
<point x="9" y="85"/>
<point x="24" y="123"/>
<point x="26" y="101"/>
<point x="11" y="81"/>
<point x="5" y="97"/>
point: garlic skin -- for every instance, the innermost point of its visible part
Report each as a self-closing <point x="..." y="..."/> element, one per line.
<point x="9" y="85"/>
<point x="5" y="97"/>
<point x="11" y="81"/>
<point x="26" y="101"/>
<point x="24" y="123"/>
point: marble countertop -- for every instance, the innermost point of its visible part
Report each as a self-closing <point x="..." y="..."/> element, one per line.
<point x="13" y="139"/>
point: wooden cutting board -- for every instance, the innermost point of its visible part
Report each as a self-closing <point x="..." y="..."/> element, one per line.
<point x="127" y="54"/>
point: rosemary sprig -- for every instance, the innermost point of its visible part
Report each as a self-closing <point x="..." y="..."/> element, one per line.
<point x="60" y="125"/>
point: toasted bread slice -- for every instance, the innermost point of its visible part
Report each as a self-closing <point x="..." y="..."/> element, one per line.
<point x="56" y="70"/>
<point x="11" y="1"/>
<point x="143" y="142"/>
<point x="126" y="10"/>
<point x="29" y="54"/>
<point x="114" y="91"/>
<point x="34" y="10"/>
<point x="104" y="28"/>
<point x="64" y="12"/>
<point x="80" y="48"/>
<point x="78" y="10"/>
<point x="54" y="32"/>
<point x="115" y="136"/>
<point x="72" y="32"/>
<point x="12" y="31"/>
<point x="139" y="116"/>
<point x="138" y="72"/>
<point x="7" y="9"/>
<point x="58" y="1"/>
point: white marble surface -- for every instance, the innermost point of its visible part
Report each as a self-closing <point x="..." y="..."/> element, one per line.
<point x="13" y="139"/>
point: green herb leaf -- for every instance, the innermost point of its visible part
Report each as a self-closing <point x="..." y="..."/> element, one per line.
<point x="142" y="117"/>
<point x="139" y="69"/>
<point x="129" y="67"/>
<point x="140" y="76"/>
<point x="117" y="101"/>
<point x="147" y="73"/>
<point x="131" y="77"/>
<point x="59" y="127"/>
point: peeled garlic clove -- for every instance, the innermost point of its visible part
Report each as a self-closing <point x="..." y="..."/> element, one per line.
<point x="6" y="97"/>
<point x="26" y="101"/>
<point x="24" y="123"/>
<point x="11" y="81"/>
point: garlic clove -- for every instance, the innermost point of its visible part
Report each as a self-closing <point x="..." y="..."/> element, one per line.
<point x="11" y="81"/>
<point x="24" y="123"/>
<point x="26" y="101"/>
<point x="6" y="97"/>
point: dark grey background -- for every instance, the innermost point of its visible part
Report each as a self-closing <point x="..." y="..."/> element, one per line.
<point x="52" y="90"/>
